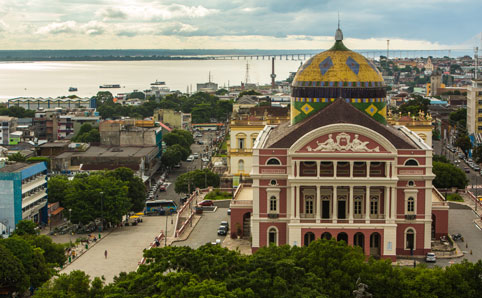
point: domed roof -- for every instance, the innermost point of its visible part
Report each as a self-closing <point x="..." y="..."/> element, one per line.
<point x="338" y="64"/>
<point x="338" y="73"/>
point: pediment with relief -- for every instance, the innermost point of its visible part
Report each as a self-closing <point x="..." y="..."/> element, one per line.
<point x="343" y="142"/>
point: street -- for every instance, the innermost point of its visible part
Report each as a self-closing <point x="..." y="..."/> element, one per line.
<point x="206" y="229"/>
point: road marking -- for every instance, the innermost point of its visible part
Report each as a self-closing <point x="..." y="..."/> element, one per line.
<point x="477" y="226"/>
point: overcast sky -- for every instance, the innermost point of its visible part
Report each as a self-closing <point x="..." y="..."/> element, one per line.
<point x="240" y="24"/>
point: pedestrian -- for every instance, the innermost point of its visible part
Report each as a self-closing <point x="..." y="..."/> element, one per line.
<point x="105" y="253"/>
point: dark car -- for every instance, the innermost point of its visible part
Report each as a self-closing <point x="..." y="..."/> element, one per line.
<point x="456" y="237"/>
<point x="467" y="170"/>
<point x="206" y="203"/>
<point x="222" y="230"/>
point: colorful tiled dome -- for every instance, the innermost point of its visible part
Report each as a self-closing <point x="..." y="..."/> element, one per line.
<point x="338" y="72"/>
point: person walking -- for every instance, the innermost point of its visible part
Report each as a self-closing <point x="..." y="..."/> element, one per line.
<point x="105" y="253"/>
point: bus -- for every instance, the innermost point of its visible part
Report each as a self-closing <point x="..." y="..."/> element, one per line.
<point x="160" y="207"/>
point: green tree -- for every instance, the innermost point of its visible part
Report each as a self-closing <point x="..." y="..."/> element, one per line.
<point x="76" y="284"/>
<point x="31" y="258"/>
<point x="12" y="272"/>
<point x="25" y="227"/>
<point x="136" y="94"/>
<point x="463" y="141"/>
<point x="136" y="188"/>
<point x="104" y="97"/>
<point x="221" y="91"/>
<point x="477" y="154"/>
<point x="447" y="175"/>
<point x="248" y="92"/>
<point x="57" y="186"/>
<point x="196" y="178"/>
<point x="17" y="157"/>
<point x="53" y="253"/>
<point x="440" y="158"/>
<point x="171" y="157"/>
<point x="184" y="151"/>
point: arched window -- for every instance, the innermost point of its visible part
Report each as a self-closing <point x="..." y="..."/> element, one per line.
<point x="241" y="165"/>
<point x="273" y="203"/>
<point x="273" y="161"/>
<point x="272" y="236"/>
<point x="411" y="162"/>
<point x="241" y="140"/>
<point x="411" y="183"/>
<point x="411" y="205"/>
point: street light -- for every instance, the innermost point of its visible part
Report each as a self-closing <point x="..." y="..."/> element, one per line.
<point x="70" y="220"/>
<point x="102" y="211"/>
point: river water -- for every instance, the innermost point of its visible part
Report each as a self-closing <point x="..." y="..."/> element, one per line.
<point x="52" y="79"/>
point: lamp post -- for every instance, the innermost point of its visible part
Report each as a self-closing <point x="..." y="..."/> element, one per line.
<point x="165" y="236"/>
<point x="102" y="211"/>
<point x="70" y="220"/>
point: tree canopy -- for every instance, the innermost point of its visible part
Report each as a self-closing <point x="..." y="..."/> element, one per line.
<point x="17" y="112"/>
<point x="325" y="268"/>
<point x="447" y="175"/>
<point x="197" y="178"/>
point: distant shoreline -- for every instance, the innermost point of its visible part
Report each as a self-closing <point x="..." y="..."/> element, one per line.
<point x="43" y="59"/>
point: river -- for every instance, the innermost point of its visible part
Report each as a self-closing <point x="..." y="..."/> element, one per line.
<point x="52" y="79"/>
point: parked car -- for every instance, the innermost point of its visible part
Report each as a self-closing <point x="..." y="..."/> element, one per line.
<point x="190" y="158"/>
<point x="229" y="211"/>
<point x="204" y="159"/>
<point x="178" y="165"/>
<point x="217" y="242"/>
<point x="196" y="155"/>
<point x="225" y="224"/>
<point x="200" y="142"/>
<point x="430" y="257"/>
<point x="163" y="187"/>
<point x="206" y="203"/>
<point x="467" y="170"/>
<point x="457" y="236"/>
<point x="222" y="230"/>
<point x="476" y="168"/>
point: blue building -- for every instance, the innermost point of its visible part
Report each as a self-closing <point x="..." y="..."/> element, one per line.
<point x="23" y="194"/>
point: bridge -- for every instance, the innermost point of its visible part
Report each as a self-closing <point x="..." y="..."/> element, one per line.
<point x="367" y="53"/>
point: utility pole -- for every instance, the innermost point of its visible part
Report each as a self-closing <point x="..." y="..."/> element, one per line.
<point x="165" y="236"/>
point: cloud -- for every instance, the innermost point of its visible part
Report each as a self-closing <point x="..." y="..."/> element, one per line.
<point x="71" y="27"/>
<point x="110" y="13"/>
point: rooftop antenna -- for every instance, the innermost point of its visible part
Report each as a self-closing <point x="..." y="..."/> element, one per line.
<point x="339" y="33"/>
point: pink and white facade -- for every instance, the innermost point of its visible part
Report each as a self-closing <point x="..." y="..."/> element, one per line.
<point x="340" y="174"/>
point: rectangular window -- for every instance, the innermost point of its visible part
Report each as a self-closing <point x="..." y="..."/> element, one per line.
<point x="358" y="207"/>
<point x="273" y="203"/>
<point x="480" y="102"/>
<point x="480" y="111"/>
<point x="309" y="204"/>
<point x="479" y="128"/>
<point x="480" y="119"/>
<point x="410" y="205"/>
<point x="374" y="206"/>
<point x="241" y="143"/>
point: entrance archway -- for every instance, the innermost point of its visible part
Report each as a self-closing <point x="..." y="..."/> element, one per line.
<point x="247" y="224"/>
<point x="375" y="240"/>
<point x="326" y="236"/>
<point x="309" y="237"/>
<point x="410" y="240"/>
<point x="342" y="237"/>
<point x="359" y="240"/>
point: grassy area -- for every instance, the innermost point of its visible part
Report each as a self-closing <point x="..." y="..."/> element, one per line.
<point x="454" y="197"/>
<point x="218" y="195"/>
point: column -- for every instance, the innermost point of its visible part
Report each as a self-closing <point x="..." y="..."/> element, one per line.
<point x="393" y="214"/>
<point x="297" y="204"/>
<point x="292" y="202"/>
<point x="318" y="169"/>
<point x="352" y="204"/>
<point x="367" y="204"/>
<point x="351" y="168"/>
<point x="369" y="163"/>
<point x="335" y="163"/>
<point x="298" y="168"/>
<point x="387" y="169"/>
<point x="318" y="204"/>
<point x="386" y="202"/>
<point x="335" y="204"/>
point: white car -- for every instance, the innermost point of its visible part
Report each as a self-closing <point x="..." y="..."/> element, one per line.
<point x="430" y="257"/>
<point x="204" y="159"/>
<point x="190" y="158"/>
<point x="196" y="155"/>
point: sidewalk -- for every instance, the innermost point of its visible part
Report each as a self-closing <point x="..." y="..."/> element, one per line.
<point x="468" y="201"/>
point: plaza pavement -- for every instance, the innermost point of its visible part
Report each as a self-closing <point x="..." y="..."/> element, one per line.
<point x="124" y="249"/>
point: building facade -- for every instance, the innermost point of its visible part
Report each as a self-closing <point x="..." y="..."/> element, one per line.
<point x="8" y="125"/>
<point x="23" y="194"/>
<point x="474" y="107"/>
<point x="338" y="170"/>
<point x="37" y="104"/>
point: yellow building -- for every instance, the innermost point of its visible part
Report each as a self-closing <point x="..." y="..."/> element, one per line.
<point x="474" y="107"/>
<point x="421" y="125"/>
<point x="245" y="126"/>
<point x="173" y="119"/>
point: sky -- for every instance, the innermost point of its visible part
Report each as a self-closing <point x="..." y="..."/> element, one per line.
<point x="238" y="24"/>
